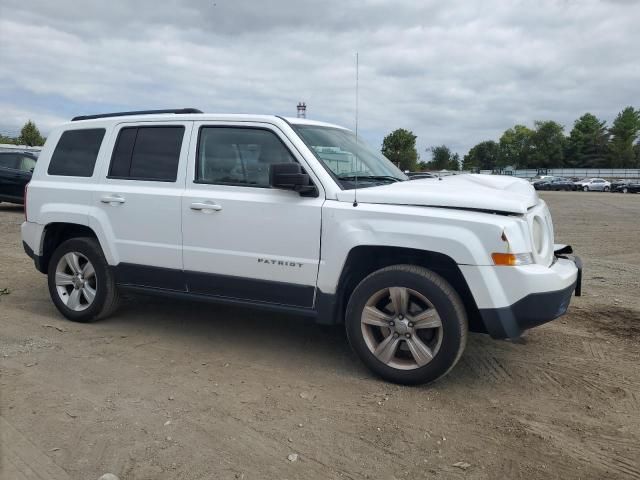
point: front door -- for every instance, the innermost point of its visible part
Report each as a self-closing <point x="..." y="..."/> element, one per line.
<point x="242" y="239"/>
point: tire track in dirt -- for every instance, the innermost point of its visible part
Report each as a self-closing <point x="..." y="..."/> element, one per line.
<point x="595" y="350"/>
<point x="582" y="450"/>
<point x="484" y="365"/>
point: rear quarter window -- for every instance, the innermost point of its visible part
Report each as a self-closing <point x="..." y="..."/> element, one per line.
<point x="76" y="153"/>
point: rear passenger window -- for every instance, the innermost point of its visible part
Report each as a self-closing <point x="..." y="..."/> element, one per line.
<point x="147" y="153"/>
<point x="76" y="153"/>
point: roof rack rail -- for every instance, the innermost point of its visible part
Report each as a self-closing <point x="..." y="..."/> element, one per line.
<point x="137" y="112"/>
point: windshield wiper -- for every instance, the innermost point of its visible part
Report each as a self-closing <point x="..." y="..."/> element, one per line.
<point x="370" y="177"/>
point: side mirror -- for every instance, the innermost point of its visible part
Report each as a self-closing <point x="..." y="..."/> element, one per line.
<point x="289" y="176"/>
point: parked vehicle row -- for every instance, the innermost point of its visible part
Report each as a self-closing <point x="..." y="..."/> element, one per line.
<point x="549" y="182"/>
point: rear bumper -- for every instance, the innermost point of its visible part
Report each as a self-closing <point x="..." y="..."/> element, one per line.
<point x="32" y="241"/>
<point x="534" y="309"/>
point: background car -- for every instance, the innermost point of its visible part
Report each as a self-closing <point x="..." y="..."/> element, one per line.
<point x="554" y="183"/>
<point x="15" y="172"/>
<point x="420" y="175"/>
<point x="593" y="184"/>
<point x="539" y="178"/>
<point x="626" y="186"/>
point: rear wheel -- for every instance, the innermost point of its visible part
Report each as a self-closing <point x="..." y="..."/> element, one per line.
<point x="625" y="190"/>
<point x="81" y="284"/>
<point x="407" y="324"/>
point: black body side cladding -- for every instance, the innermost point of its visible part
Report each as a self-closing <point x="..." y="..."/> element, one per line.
<point x="153" y="277"/>
<point x="222" y="286"/>
<point x="250" y="289"/>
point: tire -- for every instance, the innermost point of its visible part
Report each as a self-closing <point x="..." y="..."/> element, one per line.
<point x="585" y="188"/>
<point x="606" y="189"/>
<point x="66" y="288"/>
<point x="408" y="363"/>
<point x="625" y="190"/>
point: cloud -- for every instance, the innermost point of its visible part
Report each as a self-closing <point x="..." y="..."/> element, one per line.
<point x="453" y="72"/>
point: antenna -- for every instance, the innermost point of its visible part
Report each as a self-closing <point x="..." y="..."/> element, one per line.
<point x="355" y="190"/>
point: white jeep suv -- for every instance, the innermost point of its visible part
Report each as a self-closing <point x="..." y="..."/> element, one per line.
<point x="296" y="216"/>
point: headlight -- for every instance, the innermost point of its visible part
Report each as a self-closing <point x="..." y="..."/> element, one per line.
<point x="512" y="259"/>
<point x="538" y="234"/>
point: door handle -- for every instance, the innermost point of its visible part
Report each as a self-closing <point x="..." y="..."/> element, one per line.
<point x="111" y="199"/>
<point x="205" y="206"/>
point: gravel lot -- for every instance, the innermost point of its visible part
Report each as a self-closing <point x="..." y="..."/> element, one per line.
<point x="176" y="390"/>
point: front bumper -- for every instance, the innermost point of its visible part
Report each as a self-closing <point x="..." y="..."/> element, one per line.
<point x="536" y="308"/>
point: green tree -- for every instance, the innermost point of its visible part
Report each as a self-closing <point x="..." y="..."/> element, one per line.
<point x="624" y="132"/>
<point x="30" y="135"/>
<point x="515" y="147"/>
<point x="442" y="158"/>
<point x="455" y="163"/>
<point x="587" y="145"/>
<point x="485" y="156"/>
<point x="7" y="139"/>
<point x="400" y="147"/>
<point x="547" y="145"/>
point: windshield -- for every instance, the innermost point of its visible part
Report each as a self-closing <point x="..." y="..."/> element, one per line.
<point x="348" y="158"/>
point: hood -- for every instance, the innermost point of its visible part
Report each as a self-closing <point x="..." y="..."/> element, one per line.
<point x="498" y="193"/>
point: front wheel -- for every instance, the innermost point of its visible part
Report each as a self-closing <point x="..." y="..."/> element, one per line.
<point x="625" y="190"/>
<point x="407" y="324"/>
<point x="585" y="188"/>
<point x="81" y="284"/>
<point x="606" y="189"/>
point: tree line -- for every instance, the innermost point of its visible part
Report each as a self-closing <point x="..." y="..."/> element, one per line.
<point x="590" y="144"/>
<point x="29" y="135"/>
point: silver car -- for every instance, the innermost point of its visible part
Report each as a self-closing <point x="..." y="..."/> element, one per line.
<point x="593" y="184"/>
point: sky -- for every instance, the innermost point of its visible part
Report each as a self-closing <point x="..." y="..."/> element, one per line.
<point x="454" y="72"/>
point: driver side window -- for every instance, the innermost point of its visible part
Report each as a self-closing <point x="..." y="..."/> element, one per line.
<point x="238" y="156"/>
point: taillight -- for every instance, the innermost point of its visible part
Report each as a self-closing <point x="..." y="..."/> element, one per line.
<point x="26" y="190"/>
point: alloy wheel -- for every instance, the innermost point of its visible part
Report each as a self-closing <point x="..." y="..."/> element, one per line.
<point x="402" y="328"/>
<point x="76" y="281"/>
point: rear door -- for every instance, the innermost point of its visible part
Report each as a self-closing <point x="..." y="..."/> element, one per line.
<point x="139" y="199"/>
<point x="242" y="239"/>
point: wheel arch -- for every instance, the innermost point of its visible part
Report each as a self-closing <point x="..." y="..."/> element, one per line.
<point x="56" y="233"/>
<point x="365" y="259"/>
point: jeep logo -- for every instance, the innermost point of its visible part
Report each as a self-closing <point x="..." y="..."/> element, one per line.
<point x="280" y="263"/>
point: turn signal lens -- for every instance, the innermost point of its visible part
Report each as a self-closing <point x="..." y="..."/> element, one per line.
<point x="512" y="259"/>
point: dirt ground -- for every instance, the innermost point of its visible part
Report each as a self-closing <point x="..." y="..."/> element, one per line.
<point x="178" y="390"/>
